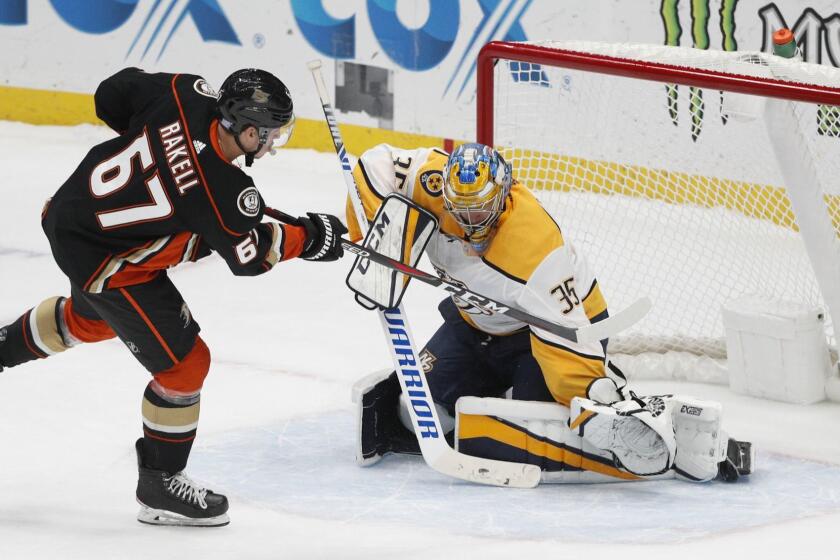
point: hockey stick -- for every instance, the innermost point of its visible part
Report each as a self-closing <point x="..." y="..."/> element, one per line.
<point x="594" y="332"/>
<point x="436" y="452"/>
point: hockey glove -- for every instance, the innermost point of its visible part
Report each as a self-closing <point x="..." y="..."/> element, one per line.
<point x="323" y="237"/>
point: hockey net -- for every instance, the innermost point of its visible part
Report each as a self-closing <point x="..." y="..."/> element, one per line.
<point x="673" y="181"/>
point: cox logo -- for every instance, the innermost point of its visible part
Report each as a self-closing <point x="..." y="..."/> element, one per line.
<point x="414" y="49"/>
<point x="418" y="49"/>
<point x="103" y="16"/>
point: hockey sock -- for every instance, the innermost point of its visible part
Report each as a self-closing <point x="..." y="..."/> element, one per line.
<point x="169" y="427"/>
<point x="36" y="334"/>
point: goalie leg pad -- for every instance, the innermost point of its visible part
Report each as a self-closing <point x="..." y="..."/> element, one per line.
<point x="637" y="432"/>
<point x="447" y="422"/>
<point x="379" y="429"/>
<point x="701" y="444"/>
<point x="535" y="433"/>
<point x="649" y="435"/>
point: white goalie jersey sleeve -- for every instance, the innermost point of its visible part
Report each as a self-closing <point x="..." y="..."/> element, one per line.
<point x="563" y="289"/>
<point x="385" y="169"/>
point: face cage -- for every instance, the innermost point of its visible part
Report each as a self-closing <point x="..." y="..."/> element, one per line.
<point x="477" y="228"/>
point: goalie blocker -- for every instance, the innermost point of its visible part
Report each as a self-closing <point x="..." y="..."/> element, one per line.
<point x="633" y="438"/>
<point x="400" y="230"/>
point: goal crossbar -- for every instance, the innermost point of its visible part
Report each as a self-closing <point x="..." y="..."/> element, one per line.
<point x="644" y="70"/>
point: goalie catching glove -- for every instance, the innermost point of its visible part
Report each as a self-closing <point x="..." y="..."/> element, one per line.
<point x="323" y="237"/>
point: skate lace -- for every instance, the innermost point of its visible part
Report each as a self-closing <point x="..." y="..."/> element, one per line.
<point x="184" y="488"/>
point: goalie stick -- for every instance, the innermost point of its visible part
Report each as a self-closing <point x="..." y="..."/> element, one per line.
<point x="594" y="332"/>
<point x="436" y="452"/>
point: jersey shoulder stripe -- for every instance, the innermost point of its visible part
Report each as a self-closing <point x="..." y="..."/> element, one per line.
<point x="565" y="348"/>
<point x="526" y="235"/>
<point x="378" y="166"/>
<point x="371" y="198"/>
<point x="503" y="272"/>
<point x="594" y="303"/>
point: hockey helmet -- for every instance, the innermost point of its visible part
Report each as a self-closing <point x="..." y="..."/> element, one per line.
<point x="477" y="181"/>
<point x="252" y="97"/>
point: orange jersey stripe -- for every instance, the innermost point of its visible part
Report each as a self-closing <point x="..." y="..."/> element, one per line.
<point x="214" y="141"/>
<point x="95" y="275"/>
<point x="170" y="255"/>
<point x="149" y="324"/>
<point x="195" y="160"/>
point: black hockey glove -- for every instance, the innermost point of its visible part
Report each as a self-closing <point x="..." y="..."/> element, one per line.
<point x="323" y="237"/>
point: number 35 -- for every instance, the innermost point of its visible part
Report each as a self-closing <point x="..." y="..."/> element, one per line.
<point x="565" y="294"/>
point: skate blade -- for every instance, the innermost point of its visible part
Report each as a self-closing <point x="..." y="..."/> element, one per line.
<point x="162" y="517"/>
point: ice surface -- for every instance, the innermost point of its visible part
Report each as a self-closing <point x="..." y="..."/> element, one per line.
<point x="275" y="467"/>
<point x="276" y="431"/>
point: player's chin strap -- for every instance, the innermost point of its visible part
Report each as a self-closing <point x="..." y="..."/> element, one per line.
<point x="249" y="156"/>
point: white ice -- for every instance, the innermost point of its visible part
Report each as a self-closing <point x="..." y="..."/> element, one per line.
<point x="276" y="431"/>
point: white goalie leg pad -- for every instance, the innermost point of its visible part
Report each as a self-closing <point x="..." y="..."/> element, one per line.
<point x="537" y="433"/>
<point x="638" y="432"/>
<point x="447" y="422"/>
<point x="701" y="444"/>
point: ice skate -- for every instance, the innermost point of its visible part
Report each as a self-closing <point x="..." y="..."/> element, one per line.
<point x="174" y="499"/>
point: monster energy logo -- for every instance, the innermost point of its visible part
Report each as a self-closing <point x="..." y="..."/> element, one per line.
<point x="700" y="16"/>
<point x="813" y="35"/>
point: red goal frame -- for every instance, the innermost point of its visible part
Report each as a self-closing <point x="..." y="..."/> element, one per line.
<point x="666" y="73"/>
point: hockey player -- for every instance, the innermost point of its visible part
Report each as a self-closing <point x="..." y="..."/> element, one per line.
<point x="496" y="239"/>
<point x="163" y="192"/>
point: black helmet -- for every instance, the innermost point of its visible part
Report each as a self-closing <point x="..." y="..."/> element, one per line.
<point x="252" y="97"/>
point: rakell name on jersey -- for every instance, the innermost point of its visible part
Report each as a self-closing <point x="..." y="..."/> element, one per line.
<point x="178" y="157"/>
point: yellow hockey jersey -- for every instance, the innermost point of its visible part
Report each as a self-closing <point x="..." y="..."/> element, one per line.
<point x="527" y="265"/>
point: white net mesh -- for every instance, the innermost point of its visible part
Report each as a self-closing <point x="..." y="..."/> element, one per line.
<point x="671" y="191"/>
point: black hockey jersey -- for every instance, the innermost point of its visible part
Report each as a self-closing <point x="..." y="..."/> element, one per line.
<point x="160" y="193"/>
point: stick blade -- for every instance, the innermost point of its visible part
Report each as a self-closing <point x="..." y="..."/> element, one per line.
<point x="614" y="324"/>
<point x="486" y="471"/>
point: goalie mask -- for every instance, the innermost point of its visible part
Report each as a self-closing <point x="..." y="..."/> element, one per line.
<point x="252" y="97"/>
<point x="476" y="182"/>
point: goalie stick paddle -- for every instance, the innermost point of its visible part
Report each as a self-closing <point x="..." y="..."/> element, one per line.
<point x="436" y="452"/>
<point x="595" y="332"/>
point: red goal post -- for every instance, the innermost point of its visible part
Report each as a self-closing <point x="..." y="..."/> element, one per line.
<point x="654" y="137"/>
